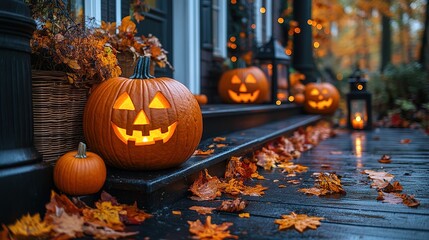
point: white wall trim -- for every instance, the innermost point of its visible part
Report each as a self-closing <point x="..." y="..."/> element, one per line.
<point x="93" y="10"/>
<point x="221" y="50"/>
<point x="186" y="43"/>
<point x="118" y="12"/>
<point x="263" y="37"/>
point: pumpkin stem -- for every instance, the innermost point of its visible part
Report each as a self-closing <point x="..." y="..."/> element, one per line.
<point x="81" y="150"/>
<point x="142" y="69"/>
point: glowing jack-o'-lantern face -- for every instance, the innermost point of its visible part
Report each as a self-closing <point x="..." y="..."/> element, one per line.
<point x="142" y="122"/>
<point x="322" y="98"/>
<point x="243" y="85"/>
<point x="124" y="102"/>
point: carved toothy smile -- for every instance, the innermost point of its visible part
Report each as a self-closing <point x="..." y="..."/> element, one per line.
<point x="320" y="104"/>
<point x="243" y="97"/>
<point x="140" y="140"/>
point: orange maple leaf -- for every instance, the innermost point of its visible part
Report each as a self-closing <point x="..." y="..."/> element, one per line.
<point x="204" y="152"/>
<point x="205" y="187"/>
<point x="30" y="226"/>
<point x="299" y="221"/>
<point x="235" y="205"/>
<point x="209" y="230"/>
<point x="202" y="210"/>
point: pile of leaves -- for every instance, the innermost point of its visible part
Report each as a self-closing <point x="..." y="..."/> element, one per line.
<point x="61" y="44"/>
<point x="66" y="219"/>
<point x="388" y="191"/>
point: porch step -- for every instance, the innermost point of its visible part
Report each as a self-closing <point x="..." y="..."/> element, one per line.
<point x="153" y="189"/>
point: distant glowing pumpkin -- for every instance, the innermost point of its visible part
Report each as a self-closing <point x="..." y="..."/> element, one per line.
<point x="321" y="98"/>
<point x="243" y="85"/>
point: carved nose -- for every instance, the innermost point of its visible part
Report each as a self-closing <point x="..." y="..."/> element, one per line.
<point x="243" y="88"/>
<point x="141" y="119"/>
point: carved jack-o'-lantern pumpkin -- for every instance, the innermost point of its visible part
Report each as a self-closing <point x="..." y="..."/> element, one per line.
<point x="243" y="85"/>
<point x="142" y="122"/>
<point x="321" y="98"/>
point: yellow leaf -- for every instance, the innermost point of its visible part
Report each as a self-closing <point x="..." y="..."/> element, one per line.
<point x="30" y="226"/>
<point x="299" y="221"/>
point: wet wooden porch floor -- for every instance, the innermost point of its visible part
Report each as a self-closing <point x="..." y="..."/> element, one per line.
<point x="355" y="215"/>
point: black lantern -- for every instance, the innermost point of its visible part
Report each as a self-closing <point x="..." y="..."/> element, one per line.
<point x="275" y="64"/>
<point x="359" y="114"/>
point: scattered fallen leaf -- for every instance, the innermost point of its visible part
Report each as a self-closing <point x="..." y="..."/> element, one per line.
<point x="221" y="145"/>
<point x="266" y="158"/>
<point x="394" y="187"/>
<point x="30" y="226"/>
<point x="405" y="141"/>
<point x="244" y="215"/>
<point x="219" y="139"/>
<point x="205" y="187"/>
<point x="330" y="182"/>
<point x="257" y="190"/>
<point x="299" y="221"/>
<point x="289" y="167"/>
<point x="235" y="205"/>
<point x="409" y="200"/>
<point x="204" y="152"/>
<point x="389" y="198"/>
<point x="175" y="212"/>
<point x="209" y="230"/>
<point x="276" y="180"/>
<point x="385" y="159"/>
<point x="131" y="214"/>
<point x="240" y="168"/>
<point x="282" y="186"/>
<point x="61" y="201"/>
<point x="294" y="181"/>
<point x="256" y="175"/>
<point x="379" y="175"/>
<point x="67" y="226"/>
<point x="202" y="210"/>
<point x="314" y="191"/>
<point x="105" y="214"/>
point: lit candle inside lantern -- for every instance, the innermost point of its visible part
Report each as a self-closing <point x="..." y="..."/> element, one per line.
<point x="357" y="122"/>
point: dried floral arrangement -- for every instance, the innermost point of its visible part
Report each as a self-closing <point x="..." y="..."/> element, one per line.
<point x="124" y="39"/>
<point x="61" y="44"/>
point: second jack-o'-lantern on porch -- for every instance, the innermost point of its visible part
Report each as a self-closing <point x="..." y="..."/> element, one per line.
<point x="243" y="85"/>
<point x="321" y="98"/>
<point x="142" y="122"/>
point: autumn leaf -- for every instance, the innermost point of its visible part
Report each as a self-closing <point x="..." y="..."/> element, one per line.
<point x="30" y="226"/>
<point x="219" y="139"/>
<point x="244" y="215"/>
<point x="205" y="187"/>
<point x="409" y="200"/>
<point x="65" y="225"/>
<point x="385" y="159"/>
<point x="131" y="214"/>
<point x="299" y="221"/>
<point x="384" y="176"/>
<point x="103" y="232"/>
<point x="394" y="187"/>
<point x="235" y="205"/>
<point x="203" y="152"/>
<point x="389" y="198"/>
<point x="330" y="182"/>
<point x="105" y="214"/>
<point x="63" y="202"/>
<point x="238" y="168"/>
<point x="209" y="230"/>
<point x="233" y="186"/>
<point x="289" y="167"/>
<point x="176" y="212"/>
<point x="294" y="181"/>
<point x="314" y="191"/>
<point x="202" y="210"/>
<point x="257" y="190"/>
<point x="266" y="158"/>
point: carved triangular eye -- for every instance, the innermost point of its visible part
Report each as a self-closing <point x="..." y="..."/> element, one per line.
<point x="124" y="102"/>
<point x="250" y="79"/>
<point x="159" y="101"/>
<point x="235" y="80"/>
<point x="314" y="92"/>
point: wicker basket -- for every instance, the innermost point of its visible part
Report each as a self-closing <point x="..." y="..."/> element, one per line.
<point x="57" y="113"/>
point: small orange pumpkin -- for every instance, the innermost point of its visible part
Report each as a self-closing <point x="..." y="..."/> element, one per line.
<point x="243" y="85"/>
<point x="321" y="98"/>
<point x="80" y="172"/>
<point x="299" y="98"/>
<point x="143" y="122"/>
<point x="201" y="99"/>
